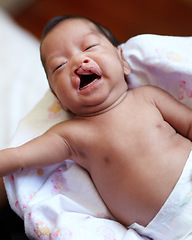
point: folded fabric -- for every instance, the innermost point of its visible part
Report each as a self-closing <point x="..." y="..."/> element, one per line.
<point x="60" y="201"/>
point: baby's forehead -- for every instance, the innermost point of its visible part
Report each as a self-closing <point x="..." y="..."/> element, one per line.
<point x="83" y="21"/>
<point x="76" y="22"/>
<point x="83" y="27"/>
<point x="74" y="30"/>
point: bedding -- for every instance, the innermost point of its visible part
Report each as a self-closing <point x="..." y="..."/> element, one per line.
<point x="60" y="201"/>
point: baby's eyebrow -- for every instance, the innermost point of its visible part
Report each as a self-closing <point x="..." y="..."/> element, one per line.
<point x="92" y="33"/>
<point x="89" y="36"/>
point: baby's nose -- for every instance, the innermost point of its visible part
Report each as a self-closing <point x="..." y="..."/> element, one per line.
<point x="79" y="62"/>
<point x="86" y="60"/>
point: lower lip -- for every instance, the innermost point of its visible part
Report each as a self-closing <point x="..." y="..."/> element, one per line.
<point x="90" y="87"/>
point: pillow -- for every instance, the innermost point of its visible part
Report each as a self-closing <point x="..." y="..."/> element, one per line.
<point x="22" y="78"/>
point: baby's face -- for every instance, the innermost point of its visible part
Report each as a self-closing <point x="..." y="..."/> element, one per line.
<point x="84" y="70"/>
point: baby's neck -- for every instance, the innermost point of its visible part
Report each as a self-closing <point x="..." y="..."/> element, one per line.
<point x="117" y="102"/>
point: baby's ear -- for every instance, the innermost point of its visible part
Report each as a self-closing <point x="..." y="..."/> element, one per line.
<point x="126" y="67"/>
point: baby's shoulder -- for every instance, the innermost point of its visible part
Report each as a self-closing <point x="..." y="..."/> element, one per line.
<point x="75" y="128"/>
<point x="147" y="89"/>
<point x="148" y="92"/>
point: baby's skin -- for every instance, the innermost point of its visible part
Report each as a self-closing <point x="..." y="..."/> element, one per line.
<point x="134" y="143"/>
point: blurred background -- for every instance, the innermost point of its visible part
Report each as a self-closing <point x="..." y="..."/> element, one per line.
<point x="126" y="18"/>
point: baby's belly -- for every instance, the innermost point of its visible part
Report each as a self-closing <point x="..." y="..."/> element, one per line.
<point x="134" y="190"/>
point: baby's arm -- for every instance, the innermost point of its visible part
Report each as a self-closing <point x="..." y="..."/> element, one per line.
<point x="178" y="115"/>
<point x="45" y="150"/>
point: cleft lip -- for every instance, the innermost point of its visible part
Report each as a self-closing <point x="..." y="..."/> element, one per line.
<point x="86" y="80"/>
<point x="87" y="75"/>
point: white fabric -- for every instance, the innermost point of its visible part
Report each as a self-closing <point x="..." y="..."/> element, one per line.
<point x="162" y="61"/>
<point x="174" y="220"/>
<point x="61" y="202"/>
<point x="22" y="78"/>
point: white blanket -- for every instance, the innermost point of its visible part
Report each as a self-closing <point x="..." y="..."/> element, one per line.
<point x="60" y="201"/>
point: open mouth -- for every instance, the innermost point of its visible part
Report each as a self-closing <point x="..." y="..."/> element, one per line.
<point x="87" y="79"/>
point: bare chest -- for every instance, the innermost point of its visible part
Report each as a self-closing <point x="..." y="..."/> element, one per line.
<point x="126" y="157"/>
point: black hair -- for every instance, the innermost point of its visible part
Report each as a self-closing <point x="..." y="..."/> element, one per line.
<point x="102" y="29"/>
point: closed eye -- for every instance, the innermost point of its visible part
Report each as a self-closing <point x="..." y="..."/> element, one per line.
<point x="91" y="46"/>
<point x="59" y="66"/>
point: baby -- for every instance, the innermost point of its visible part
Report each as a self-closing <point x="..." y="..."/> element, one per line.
<point x="135" y="144"/>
